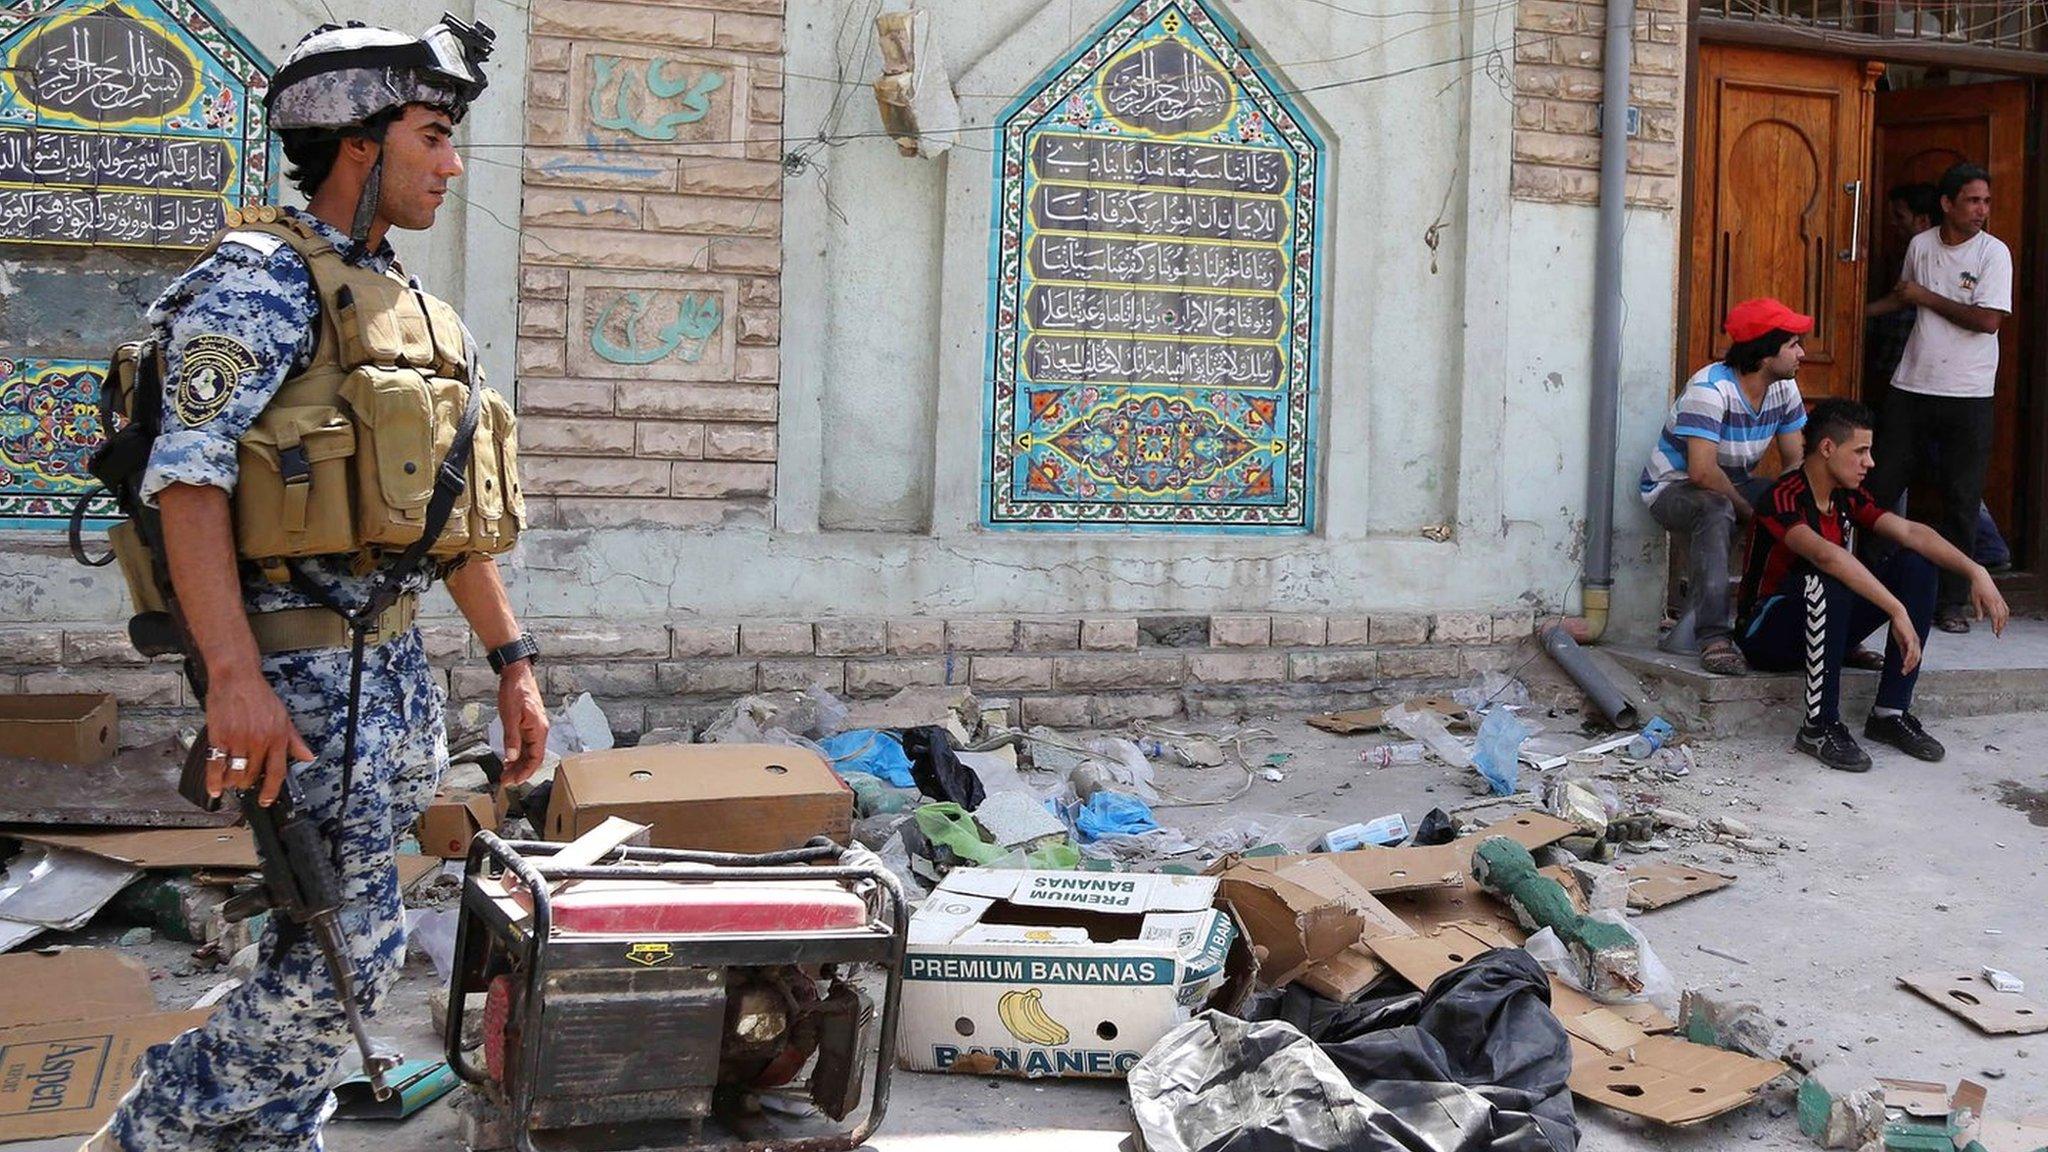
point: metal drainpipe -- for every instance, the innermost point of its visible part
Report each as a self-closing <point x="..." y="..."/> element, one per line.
<point x="1598" y="581"/>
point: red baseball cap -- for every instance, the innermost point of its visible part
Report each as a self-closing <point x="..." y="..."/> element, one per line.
<point x="1753" y="318"/>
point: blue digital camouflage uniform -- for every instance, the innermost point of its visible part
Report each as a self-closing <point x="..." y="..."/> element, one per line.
<point x="256" y="1074"/>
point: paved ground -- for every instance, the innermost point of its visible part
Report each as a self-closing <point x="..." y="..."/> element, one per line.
<point x="1910" y="868"/>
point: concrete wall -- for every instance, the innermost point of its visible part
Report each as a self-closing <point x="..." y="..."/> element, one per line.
<point x="1455" y="379"/>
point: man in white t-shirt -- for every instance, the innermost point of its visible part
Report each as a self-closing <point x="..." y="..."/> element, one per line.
<point x="1938" y="412"/>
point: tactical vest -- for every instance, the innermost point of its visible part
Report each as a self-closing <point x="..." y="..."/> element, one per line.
<point x="342" y="461"/>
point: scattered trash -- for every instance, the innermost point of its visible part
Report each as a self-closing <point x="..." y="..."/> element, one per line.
<point x="1436" y="828"/>
<point x="1427" y="726"/>
<point x="1723" y="954"/>
<point x="1496" y="753"/>
<point x="1492" y="690"/>
<point x="1063" y="973"/>
<point x="1653" y="886"/>
<point x="1272" y="775"/>
<point x="1587" y="804"/>
<point x="1388" y="755"/>
<point x="2004" y="981"/>
<point x="1374" y="719"/>
<point x="175" y="905"/>
<point x="1475" y="1064"/>
<point x="874" y="796"/>
<point x="1386" y="832"/>
<point x="45" y="888"/>
<point x="414" y="1085"/>
<point x="452" y="819"/>
<point x="1972" y="997"/>
<point x="154" y="849"/>
<point x="73" y="984"/>
<point x="1017" y="821"/>
<point x="432" y="932"/>
<point x="1656" y="734"/>
<point x="1112" y="814"/>
<point x="870" y="752"/>
<point x="135" y="789"/>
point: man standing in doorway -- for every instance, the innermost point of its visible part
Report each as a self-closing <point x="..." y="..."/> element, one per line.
<point x="1938" y="413"/>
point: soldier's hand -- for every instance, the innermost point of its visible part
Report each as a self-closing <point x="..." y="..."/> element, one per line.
<point x="525" y="720"/>
<point x="248" y="724"/>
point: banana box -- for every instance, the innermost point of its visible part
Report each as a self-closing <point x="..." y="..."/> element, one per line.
<point x="1063" y="973"/>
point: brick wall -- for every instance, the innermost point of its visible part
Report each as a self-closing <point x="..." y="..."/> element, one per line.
<point x="650" y="256"/>
<point x="1558" y="49"/>
<point x="1065" y="671"/>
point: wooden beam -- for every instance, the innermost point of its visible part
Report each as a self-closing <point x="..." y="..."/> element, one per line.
<point x="1974" y="57"/>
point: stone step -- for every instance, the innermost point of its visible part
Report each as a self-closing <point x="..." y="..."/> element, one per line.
<point x="1703" y="704"/>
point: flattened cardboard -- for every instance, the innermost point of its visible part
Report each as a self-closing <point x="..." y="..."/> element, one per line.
<point x="710" y="797"/>
<point x="1669" y="1080"/>
<point x="1373" y="719"/>
<point x="73" y="984"/>
<point x="1384" y="870"/>
<point x="1028" y="973"/>
<point x="1968" y="995"/>
<point x="64" y="1079"/>
<point x="1621" y="1060"/>
<point x="155" y="848"/>
<point x="1658" y="885"/>
<point x="414" y="869"/>
<point x="64" y="728"/>
<point x="454" y="818"/>
<point x="1923" y="1098"/>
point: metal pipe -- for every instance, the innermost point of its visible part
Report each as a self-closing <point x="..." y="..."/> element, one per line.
<point x="1599" y="689"/>
<point x="1607" y="304"/>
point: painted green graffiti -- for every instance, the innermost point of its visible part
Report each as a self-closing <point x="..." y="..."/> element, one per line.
<point x="697" y="318"/>
<point x="631" y="91"/>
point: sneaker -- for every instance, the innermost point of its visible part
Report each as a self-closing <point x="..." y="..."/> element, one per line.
<point x="1832" y="745"/>
<point x="1904" y="733"/>
<point x="1954" y="621"/>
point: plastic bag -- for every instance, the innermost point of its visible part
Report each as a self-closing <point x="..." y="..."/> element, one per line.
<point x="1500" y="743"/>
<point x="870" y="752"/>
<point x="1243" y="831"/>
<point x="1427" y="726"/>
<point x="1492" y="690"/>
<point x="1127" y="766"/>
<point x="874" y="796"/>
<point x="1659" y="986"/>
<point x="1112" y="814"/>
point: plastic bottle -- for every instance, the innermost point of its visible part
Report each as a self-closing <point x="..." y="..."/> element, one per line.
<point x="1386" y="755"/>
<point x="1654" y="735"/>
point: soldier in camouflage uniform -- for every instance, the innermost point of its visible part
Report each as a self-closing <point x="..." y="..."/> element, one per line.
<point x="369" y="137"/>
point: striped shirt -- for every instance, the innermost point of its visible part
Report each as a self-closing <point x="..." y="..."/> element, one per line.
<point x="1713" y="408"/>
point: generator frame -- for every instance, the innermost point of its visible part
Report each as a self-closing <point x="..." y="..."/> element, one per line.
<point x="530" y="940"/>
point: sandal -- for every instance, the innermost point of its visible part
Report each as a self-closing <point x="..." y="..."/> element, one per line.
<point x="1953" y="621"/>
<point x="1867" y="659"/>
<point x="1723" y="659"/>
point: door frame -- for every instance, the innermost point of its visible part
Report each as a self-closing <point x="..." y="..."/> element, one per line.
<point x="2030" y="533"/>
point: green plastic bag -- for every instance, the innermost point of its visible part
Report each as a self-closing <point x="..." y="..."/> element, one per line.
<point x="950" y="826"/>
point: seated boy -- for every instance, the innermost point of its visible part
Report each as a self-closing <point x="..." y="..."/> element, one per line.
<point x="1806" y="599"/>
<point x="1702" y="476"/>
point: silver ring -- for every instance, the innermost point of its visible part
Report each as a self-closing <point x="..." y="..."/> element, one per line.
<point x="213" y="753"/>
<point x="238" y="764"/>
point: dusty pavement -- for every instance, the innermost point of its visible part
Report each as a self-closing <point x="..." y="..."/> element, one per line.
<point x="1912" y="867"/>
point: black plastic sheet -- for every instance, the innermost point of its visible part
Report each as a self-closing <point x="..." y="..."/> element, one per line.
<point x="938" y="772"/>
<point x="1476" y="1064"/>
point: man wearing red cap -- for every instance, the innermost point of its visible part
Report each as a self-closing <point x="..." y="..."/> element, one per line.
<point x="1702" y="476"/>
<point x="1938" y="413"/>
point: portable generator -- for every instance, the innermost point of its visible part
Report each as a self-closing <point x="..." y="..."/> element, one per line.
<point x="679" y="1000"/>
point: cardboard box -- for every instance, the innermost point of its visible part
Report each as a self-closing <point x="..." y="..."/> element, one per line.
<point x="710" y="797"/>
<point x="453" y="819"/>
<point x="64" y="1079"/>
<point x="80" y="729"/>
<point x="1063" y="973"/>
<point x="1309" y="914"/>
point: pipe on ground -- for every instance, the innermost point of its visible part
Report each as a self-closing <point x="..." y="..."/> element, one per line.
<point x="1598" y="688"/>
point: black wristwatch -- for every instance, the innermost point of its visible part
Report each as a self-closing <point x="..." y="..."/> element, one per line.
<point x="506" y="655"/>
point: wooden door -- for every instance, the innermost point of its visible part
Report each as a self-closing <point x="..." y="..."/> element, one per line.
<point x="1920" y="132"/>
<point x="1780" y="150"/>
